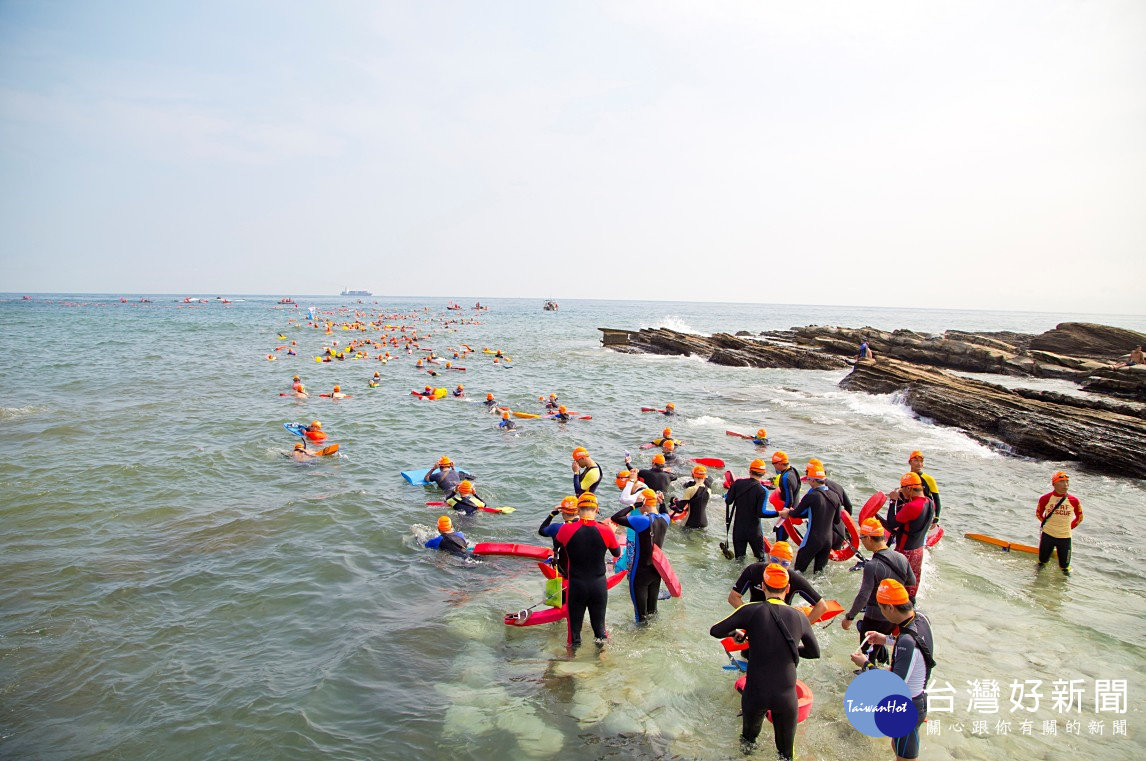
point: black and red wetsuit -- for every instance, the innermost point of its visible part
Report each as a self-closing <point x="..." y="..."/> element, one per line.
<point x="585" y="543"/>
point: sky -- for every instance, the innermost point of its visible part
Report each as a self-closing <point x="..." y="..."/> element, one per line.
<point x="955" y="154"/>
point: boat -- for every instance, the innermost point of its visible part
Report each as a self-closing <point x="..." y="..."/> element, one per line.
<point x="479" y="308"/>
<point x="454" y="306"/>
<point x="550" y="306"/>
<point x="287" y="300"/>
<point x="348" y="292"/>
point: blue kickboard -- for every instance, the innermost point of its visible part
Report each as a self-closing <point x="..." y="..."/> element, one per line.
<point x="295" y="428"/>
<point x="418" y="477"/>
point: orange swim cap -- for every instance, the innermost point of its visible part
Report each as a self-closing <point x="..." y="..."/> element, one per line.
<point x="891" y="592"/>
<point x="670" y="406"/>
<point x="444" y="460"/>
<point x="1059" y="476"/>
<point x="505" y="415"/>
<point x="562" y="409"/>
<point x="873" y="528"/>
<point x="699" y="472"/>
<point x="465" y="487"/>
<point x="461" y="387"/>
<point x="812" y="461"/>
<point x="775" y="576"/>
<point x="316" y="424"/>
<point x="915" y="454"/>
<point x="757" y="466"/>
<point x="658" y="459"/>
<point x="580" y="452"/>
<point x="666" y="432"/>
<point x="445" y="524"/>
<point x="489" y="397"/>
<point x="669" y="445"/>
<point x="569" y="505"/>
<point x="911" y="479"/>
<point x="587" y="499"/>
<point x="778" y="457"/>
<point x="761" y="433"/>
<point x="299" y="447"/>
<point x="782" y="550"/>
<point x="816" y="474"/>
<point x="337" y="388"/>
<point x="622" y="479"/>
<point x="648" y="495"/>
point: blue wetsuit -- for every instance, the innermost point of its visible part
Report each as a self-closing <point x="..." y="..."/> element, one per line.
<point x="644" y="581"/>
<point x="454" y="543"/>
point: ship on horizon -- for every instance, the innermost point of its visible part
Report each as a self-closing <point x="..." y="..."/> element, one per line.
<point x="348" y="292"/>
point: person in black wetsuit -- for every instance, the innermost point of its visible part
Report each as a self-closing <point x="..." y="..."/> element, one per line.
<point x="912" y="656"/>
<point x="644" y="580"/>
<point x="586" y="472"/>
<point x="746" y="502"/>
<point x="506" y="423"/>
<point x="668" y="449"/>
<point x="568" y="511"/>
<point x="585" y="543"/>
<point x="448" y="540"/>
<point x="751" y="582"/>
<point x="882" y="564"/>
<point x="788" y="483"/>
<point x="656" y="477"/>
<point x="465" y="499"/>
<point x="490" y="403"/>
<point x="819" y="509"/>
<point x="780" y="636"/>
<point x="694" y="500"/>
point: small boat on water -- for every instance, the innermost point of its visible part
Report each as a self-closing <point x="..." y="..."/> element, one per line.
<point x="453" y="306"/>
<point x="348" y="292"/>
<point x="287" y="300"/>
<point x="550" y="306"/>
<point x="479" y="308"/>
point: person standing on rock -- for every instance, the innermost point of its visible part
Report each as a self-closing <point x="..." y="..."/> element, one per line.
<point x="864" y="351"/>
<point x="1060" y="513"/>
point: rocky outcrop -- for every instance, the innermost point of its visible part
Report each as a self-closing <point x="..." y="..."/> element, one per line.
<point x="1126" y="382"/>
<point x="1109" y="442"/>
<point x="1085" y="339"/>
<point x="720" y="348"/>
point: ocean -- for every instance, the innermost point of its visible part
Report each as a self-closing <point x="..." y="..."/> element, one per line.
<point x="175" y="588"/>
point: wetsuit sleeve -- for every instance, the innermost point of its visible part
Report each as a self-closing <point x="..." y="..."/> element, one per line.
<point x="434" y="543"/>
<point x="910" y="511"/>
<point x="1040" y="511"/>
<point x="902" y="656"/>
<point x="744" y="582"/>
<point x="551" y="530"/>
<point x="628" y="497"/>
<point x="545" y="525"/>
<point x="737" y="620"/>
<point x="621" y="517"/>
<point x="804" y="509"/>
<point x="809" y="647"/>
<point x="1077" y="512"/>
<point x="867" y="584"/>
<point x="803" y="588"/>
<point x="610" y="540"/>
<point x="764" y="511"/>
<point x="847" y="503"/>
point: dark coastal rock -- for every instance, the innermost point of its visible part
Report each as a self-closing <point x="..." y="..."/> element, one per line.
<point x="720" y="348"/>
<point x="1126" y="382"/>
<point x="1085" y="339"/>
<point x="1108" y="442"/>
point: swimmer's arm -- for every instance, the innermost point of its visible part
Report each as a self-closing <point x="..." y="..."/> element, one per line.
<point x="735" y="620"/>
<point x="809" y="647"/>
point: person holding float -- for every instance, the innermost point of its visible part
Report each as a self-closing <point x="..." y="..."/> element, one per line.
<point x="465" y="499"/>
<point x="751" y="582"/>
<point x="746" y="502"/>
<point x="820" y="507"/>
<point x="909" y="519"/>
<point x="650" y="527"/>
<point x="882" y="564"/>
<point x="912" y="656"/>
<point x="1060" y="513"/>
<point x="693" y="502"/>
<point x="780" y="636"/>
<point x="585" y="543"/>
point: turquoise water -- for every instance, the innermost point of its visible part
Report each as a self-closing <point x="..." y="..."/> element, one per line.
<point x="176" y="589"/>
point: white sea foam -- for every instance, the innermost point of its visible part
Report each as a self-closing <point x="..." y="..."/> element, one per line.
<point x="710" y="421"/>
<point x="673" y="323"/>
<point x="13" y="413"/>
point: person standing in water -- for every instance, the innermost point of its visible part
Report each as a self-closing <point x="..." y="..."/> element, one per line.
<point x="586" y="472"/>
<point x="746" y="502"/>
<point x="694" y="499"/>
<point x="1060" y="513"/>
<point x="585" y="543"/>
<point x="650" y="528"/>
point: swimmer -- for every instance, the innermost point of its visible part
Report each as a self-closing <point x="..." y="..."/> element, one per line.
<point x="373" y="383"/>
<point x="909" y="519"/>
<point x="666" y="435"/>
<point x="930" y="489"/>
<point x="670" y="409"/>
<point x="694" y="499"/>
<point x="657" y="477"/>
<point x="562" y="415"/>
<point x="912" y="638"/>
<point x="459" y="392"/>
<point x="337" y="393"/>
<point x="787" y="480"/>
<point x="568" y="512"/>
<point x="761" y="438"/>
<point x="490" y="403"/>
<point x="883" y="564"/>
<point x="445" y="475"/>
<point x="585" y="543"/>
<point x="650" y="527"/>
<point x="751" y="582"/>
<point x="465" y="499"/>
<point x="668" y="449"/>
<point x="820" y="508"/>
<point x="781" y="636"/>
<point x="448" y="539"/>
<point x="746" y="502"/>
<point x="506" y="422"/>
<point x="586" y="472"/>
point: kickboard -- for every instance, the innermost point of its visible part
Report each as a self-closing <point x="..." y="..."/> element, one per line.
<point x="530" y="551"/>
<point x="1003" y="544"/>
<point x="418" y="477"/>
<point x="708" y="462"/>
<point x="295" y="428"/>
<point x="667" y="574"/>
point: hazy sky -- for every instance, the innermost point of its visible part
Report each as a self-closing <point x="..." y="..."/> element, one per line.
<point x="951" y="154"/>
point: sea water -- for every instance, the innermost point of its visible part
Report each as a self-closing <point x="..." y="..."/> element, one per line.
<point x="175" y="588"/>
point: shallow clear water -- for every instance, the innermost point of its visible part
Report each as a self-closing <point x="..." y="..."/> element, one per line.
<point x="176" y="589"/>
